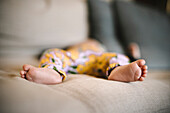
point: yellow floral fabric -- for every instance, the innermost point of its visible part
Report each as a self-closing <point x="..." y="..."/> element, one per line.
<point x="88" y="58"/>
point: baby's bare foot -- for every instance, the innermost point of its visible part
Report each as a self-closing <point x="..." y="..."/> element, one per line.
<point x="135" y="71"/>
<point x="40" y="75"/>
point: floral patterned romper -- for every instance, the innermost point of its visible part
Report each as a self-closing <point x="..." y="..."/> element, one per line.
<point x="87" y="58"/>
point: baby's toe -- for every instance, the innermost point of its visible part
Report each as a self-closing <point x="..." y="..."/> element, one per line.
<point x="144" y="75"/>
<point x="145" y="72"/>
<point x="26" y="67"/>
<point x="141" y="78"/>
<point x="22" y="73"/>
<point x="140" y="62"/>
<point x="145" y="67"/>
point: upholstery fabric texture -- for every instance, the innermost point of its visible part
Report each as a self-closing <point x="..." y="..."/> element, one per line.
<point x="29" y="26"/>
<point x="34" y="25"/>
<point x="85" y="94"/>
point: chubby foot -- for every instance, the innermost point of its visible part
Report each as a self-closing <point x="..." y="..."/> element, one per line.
<point x="135" y="71"/>
<point x="40" y="75"/>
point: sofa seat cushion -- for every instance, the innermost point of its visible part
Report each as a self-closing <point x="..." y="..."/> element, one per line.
<point x="85" y="94"/>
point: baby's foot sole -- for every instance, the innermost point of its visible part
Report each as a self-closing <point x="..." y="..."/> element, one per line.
<point x="135" y="71"/>
<point x="40" y="75"/>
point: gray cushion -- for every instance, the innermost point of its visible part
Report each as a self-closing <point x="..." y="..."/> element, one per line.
<point x="101" y="25"/>
<point x="149" y="28"/>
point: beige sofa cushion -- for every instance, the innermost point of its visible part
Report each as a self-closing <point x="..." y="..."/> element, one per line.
<point x="33" y="25"/>
<point x="85" y="94"/>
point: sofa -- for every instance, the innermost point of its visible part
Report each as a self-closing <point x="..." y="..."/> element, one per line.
<point x="29" y="27"/>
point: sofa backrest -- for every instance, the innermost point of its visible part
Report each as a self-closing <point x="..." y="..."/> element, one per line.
<point x="34" y="25"/>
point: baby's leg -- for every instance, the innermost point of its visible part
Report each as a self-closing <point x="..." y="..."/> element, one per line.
<point x="120" y="70"/>
<point x="52" y="68"/>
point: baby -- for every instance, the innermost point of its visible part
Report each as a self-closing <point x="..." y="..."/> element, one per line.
<point x="85" y="58"/>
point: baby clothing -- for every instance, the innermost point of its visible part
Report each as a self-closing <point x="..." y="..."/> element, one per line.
<point x="87" y="58"/>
